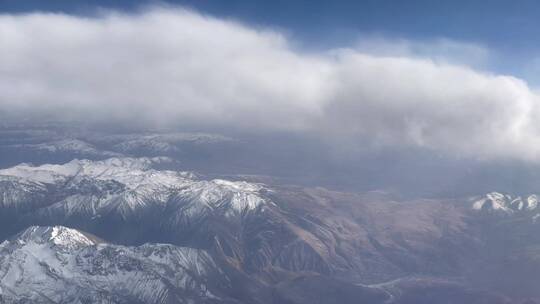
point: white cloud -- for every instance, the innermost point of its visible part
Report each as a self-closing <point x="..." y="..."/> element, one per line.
<point x="179" y="67"/>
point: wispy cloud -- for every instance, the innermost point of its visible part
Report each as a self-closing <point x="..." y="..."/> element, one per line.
<point x="441" y="50"/>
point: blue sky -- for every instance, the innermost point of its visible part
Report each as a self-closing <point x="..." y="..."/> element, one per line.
<point x="508" y="29"/>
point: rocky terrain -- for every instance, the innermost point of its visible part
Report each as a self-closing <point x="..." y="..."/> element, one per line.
<point x="142" y="234"/>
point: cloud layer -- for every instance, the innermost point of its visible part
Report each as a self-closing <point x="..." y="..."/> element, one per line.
<point x="177" y="67"/>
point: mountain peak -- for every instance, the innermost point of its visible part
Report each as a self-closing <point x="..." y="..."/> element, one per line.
<point x="506" y="203"/>
<point x="56" y="235"/>
<point x="54" y="173"/>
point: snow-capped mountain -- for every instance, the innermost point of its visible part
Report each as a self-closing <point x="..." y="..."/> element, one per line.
<point x="62" y="265"/>
<point x="125" y="200"/>
<point x="60" y="145"/>
<point x="75" y="147"/>
<point x="158" y="143"/>
<point x="507" y="204"/>
<point x="265" y="243"/>
<point x="125" y="185"/>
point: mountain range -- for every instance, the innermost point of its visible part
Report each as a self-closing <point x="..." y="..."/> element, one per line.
<point x="125" y="230"/>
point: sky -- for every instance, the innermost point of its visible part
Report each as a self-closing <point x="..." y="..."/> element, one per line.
<point x="507" y="28"/>
<point x="456" y="78"/>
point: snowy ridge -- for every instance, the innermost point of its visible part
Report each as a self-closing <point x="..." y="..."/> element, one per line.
<point x="128" y="184"/>
<point x="75" y="146"/>
<point x="43" y="265"/>
<point x="57" y="235"/>
<point x="160" y="143"/>
<point x="505" y="203"/>
<point x="107" y="169"/>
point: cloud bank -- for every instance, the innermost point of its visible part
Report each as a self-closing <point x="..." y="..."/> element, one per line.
<point x="178" y="67"/>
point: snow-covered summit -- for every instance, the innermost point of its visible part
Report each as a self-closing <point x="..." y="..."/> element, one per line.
<point x="56" y="235"/>
<point x="126" y="185"/>
<point x="73" y="146"/>
<point x="62" y="265"/>
<point x="505" y="203"/>
<point x="158" y="143"/>
<point x="124" y="168"/>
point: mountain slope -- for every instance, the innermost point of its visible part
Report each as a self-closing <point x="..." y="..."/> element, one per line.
<point x="62" y="265"/>
<point x="274" y="244"/>
<point x="124" y="200"/>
